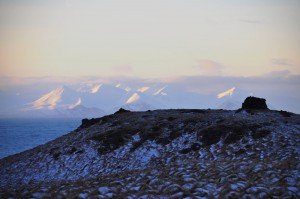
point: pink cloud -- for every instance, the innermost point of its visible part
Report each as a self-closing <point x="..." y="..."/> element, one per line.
<point x="123" y="70"/>
<point x="282" y="62"/>
<point x="209" y="67"/>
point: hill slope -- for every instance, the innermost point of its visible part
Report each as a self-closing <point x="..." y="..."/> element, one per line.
<point x="164" y="153"/>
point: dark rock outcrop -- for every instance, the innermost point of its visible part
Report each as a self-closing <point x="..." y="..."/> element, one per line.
<point x="121" y="110"/>
<point x="285" y="113"/>
<point x="85" y="123"/>
<point x="254" y="103"/>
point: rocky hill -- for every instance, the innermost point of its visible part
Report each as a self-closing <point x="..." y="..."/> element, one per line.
<point x="164" y="154"/>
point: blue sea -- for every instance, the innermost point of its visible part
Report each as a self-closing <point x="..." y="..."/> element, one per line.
<point x="17" y="135"/>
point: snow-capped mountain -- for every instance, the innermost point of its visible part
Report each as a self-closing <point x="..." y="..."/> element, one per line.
<point x="231" y="99"/>
<point x="140" y="102"/>
<point x="60" y="102"/>
<point x="80" y="111"/>
<point x="111" y="93"/>
<point x="105" y="97"/>
<point x="61" y="97"/>
<point x="92" y="99"/>
<point x="229" y="92"/>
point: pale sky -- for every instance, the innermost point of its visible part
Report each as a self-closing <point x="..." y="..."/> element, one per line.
<point x="153" y="38"/>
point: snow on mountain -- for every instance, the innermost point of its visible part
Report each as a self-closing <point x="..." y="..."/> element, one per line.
<point x="109" y="97"/>
<point x="96" y="88"/>
<point x="160" y="91"/>
<point x="78" y="102"/>
<point x="139" y="106"/>
<point x="139" y="102"/>
<point x="229" y="92"/>
<point x="127" y="89"/>
<point x="62" y="102"/>
<point x="106" y="98"/>
<point x="231" y="99"/>
<point x="172" y="97"/>
<point x="143" y="89"/>
<point x="49" y="100"/>
<point x="81" y="111"/>
<point x="124" y="87"/>
<point x="135" y="97"/>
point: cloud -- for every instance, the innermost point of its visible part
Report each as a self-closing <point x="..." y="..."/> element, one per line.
<point x="282" y="62"/>
<point x="123" y="70"/>
<point x="209" y="67"/>
<point x="278" y="73"/>
<point x="251" y="21"/>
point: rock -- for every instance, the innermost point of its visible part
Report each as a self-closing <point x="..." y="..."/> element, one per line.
<point x="136" y="188"/>
<point x="109" y="195"/>
<point x="195" y="146"/>
<point x="173" y="188"/>
<point x="177" y="195"/>
<point x="121" y="110"/>
<point x="188" y="186"/>
<point x="185" y="151"/>
<point x="201" y="192"/>
<point x="285" y="113"/>
<point x="254" y="103"/>
<point x="39" y="195"/>
<point x="83" y="195"/>
<point x="103" y="190"/>
<point x="232" y="132"/>
<point x="85" y="123"/>
<point x="260" y="133"/>
<point x="232" y="194"/>
<point x="248" y="196"/>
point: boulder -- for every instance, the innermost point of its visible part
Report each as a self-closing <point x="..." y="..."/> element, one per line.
<point x="254" y="103"/>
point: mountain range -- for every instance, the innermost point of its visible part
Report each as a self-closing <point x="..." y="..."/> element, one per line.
<point x="98" y="99"/>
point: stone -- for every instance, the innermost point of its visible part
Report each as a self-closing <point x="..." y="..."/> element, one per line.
<point x="254" y="103"/>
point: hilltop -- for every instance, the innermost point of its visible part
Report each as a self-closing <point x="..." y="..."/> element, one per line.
<point x="164" y="153"/>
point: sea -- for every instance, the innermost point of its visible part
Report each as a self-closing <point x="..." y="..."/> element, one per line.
<point x="17" y="135"/>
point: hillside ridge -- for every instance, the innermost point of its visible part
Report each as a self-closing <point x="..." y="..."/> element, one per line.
<point x="189" y="152"/>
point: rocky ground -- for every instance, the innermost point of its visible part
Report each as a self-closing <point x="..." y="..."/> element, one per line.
<point x="164" y="154"/>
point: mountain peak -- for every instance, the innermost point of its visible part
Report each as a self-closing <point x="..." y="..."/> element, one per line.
<point x="78" y="102"/>
<point x="143" y="89"/>
<point x="160" y="91"/>
<point x="228" y="92"/>
<point x="135" y="97"/>
<point x="49" y="100"/>
<point x="96" y="88"/>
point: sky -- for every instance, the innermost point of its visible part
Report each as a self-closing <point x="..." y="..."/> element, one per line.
<point x="157" y="38"/>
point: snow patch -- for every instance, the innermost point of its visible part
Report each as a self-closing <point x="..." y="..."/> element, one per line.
<point x="229" y="92"/>
<point x="135" y="97"/>
<point x="96" y="88"/>
<point x="160" y="91"/>
<point x="78" y="102"/>
<point x="143" y="89"/>
<point x="127" y="89"/>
